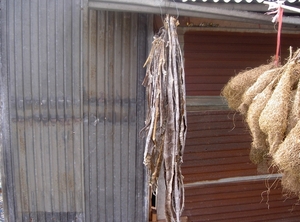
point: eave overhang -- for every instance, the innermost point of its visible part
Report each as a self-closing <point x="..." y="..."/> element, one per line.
<point x="164" y="6"/>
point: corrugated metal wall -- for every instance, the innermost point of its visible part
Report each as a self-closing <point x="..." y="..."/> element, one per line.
<point x="41" y="98"/>
<point x="212" y="57"/>
<point x="113" y="116"/>
<point x="70" y="145"/>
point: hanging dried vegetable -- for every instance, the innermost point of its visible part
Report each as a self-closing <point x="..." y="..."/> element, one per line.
<point x="165" y="125"/>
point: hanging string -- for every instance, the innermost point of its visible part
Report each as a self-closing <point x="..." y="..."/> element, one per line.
<point x="177" y="12"/>
<point x="280" y="13"/>
<point x="165" y="6"/>
<point x="277" y="18"/>
<point x="161" y="13"/>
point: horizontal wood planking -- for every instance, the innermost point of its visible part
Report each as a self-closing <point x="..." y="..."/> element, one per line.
<point x="217" y="146"/>
<point x="217" y="169"/>
<point x="211" y="58"/>
<point x="242" y="201"/>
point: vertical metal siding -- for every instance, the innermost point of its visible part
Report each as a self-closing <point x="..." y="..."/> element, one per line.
<point x="41" y="110"/>
<point x="70" y="141"/>
<point x="114" y="107"/>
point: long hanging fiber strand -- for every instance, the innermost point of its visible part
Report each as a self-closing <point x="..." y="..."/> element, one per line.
<point x="165" y="126"/>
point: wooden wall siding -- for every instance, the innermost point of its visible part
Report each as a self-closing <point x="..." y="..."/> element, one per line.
<point x="217" y="146"/>
<point x="217" y="150"/>
<point x="236" y="202"/>
<point x="211" y="58"/>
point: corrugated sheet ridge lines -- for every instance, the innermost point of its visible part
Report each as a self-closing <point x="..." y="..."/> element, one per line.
<point x="117" y="110"/>
<point x="7" y="35"/>
<point x="125" y="111"/>
<point x="101" y="110"/>
<point x="92" y="119"/>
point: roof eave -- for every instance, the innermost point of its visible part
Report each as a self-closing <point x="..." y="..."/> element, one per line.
<point x="157" y="7"/>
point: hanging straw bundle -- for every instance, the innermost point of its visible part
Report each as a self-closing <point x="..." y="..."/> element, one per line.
<point x="273" y="119"/>
<point x="261" y="83"/>
<point x="287" y="157"/>
<point x="259" y="146"/>
<point x="166" y="118"/>
<point x="237" y="85"/>
<point x="292" y="118"/>
<point x="290" y="182"/>
<point x="271" y="107"/>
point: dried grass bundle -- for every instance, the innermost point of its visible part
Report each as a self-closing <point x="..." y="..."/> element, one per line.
<point x="287" y="157"/>
<point x="290" y="182"/>
<point x="292" y="119"/>
<point x="237" y="85"/>
<point x="271" y="105"/>
<point x="166" y="118"/>
<point x="261" y="83"/>
<point x="294" y="115"/>
<point x="259" y="146"/>
<point x="273" y="118"/>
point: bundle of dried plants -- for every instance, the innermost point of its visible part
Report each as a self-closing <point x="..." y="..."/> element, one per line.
<point x="165" y="125"/>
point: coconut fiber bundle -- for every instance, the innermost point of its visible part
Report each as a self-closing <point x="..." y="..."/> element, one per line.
<point x="273" y="120"/>
<point x="254" y="101"/>
<point x="165" y="125"/>
<point x="270" y="105"/>
<point x="259" y="146"/>
<point x="261" y="83"/>
<point x="287" y="159"/>
<point x="237" y="85"/>
<point x="248" y="92"/>
<point x="287" y="156"/>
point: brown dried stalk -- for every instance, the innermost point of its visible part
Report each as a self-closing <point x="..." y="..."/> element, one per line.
<point x="166" y="117"/>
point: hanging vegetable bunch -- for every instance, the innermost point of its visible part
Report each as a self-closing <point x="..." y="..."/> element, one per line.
<point x="165" y="125"/>
<point x="269" y="98"/>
